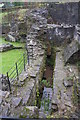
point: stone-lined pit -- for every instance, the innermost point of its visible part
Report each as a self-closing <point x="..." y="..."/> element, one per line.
<point x="44" y="93"/>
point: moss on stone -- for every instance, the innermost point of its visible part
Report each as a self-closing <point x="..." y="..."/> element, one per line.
<point x="75" y="95"/>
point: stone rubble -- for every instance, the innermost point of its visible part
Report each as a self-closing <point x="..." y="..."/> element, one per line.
<point x="8" y="46"/>
<point x="46" y="103"/>
<point x="16" y="101"/>
<point x="5" y="47"/>
<point x="68" y="83"/>
<point x="4" y="83"/>
<point x="23" y="91"/>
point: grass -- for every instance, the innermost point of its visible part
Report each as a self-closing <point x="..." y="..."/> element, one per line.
<point x="2" y="15"/>
<point x="8" y="58"/>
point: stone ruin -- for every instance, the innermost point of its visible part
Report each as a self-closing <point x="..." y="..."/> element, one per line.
<point x="32" y="74"/>
<point x="4" y="83"/>
<point x="8" y="46"/>
<point x="60" y="34"/>
<point x="17" y="32"/>
<point x="24" y="91"/>
<point x="5" y="47"/>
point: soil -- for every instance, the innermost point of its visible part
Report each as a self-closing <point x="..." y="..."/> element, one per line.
<point x="48" y="74"/>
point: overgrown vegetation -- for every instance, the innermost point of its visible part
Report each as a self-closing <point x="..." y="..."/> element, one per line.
<point x="75" y="95"/>
<point x="70" y="78"/>
<point x="45" y="83"/>
<point x="38" y="98"/>
<point x="6" y="17"/>
<point x="18" y="3"/>
<point x="50" y="61"/>
<point x="2" y="15"/>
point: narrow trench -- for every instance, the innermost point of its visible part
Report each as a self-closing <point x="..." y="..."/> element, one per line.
<point x="44" y="95"/>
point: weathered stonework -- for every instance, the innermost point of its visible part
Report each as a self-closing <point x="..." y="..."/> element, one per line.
<point x="24" y="90"/>
<point x="60" y="34"/>
<point x="5" y="29"/>
<point x="23" y="96"/>
<point x="6" y="47"/>
<point x="66" y="13"/>
<point x="70" y="50"/>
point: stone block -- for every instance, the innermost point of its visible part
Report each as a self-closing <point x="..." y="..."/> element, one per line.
<point x="10" y="38"/>
<point x="68" y="83"/>
<point x="16" y="101"/>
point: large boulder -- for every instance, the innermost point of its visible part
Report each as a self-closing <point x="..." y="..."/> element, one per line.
<point x="16" y="101"/>
<point x="10" y="38"/>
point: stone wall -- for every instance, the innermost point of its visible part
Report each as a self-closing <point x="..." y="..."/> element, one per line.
<point x="5" y="29"/>
<point x="17" y="31"/>
<point x="37" y="80"/>
<point x="60" y="34"/>
<point x="24" y="90"/>
<point x="70" y="50"/>
<point x="77" y="33"/>
<point x="64" y="13"/>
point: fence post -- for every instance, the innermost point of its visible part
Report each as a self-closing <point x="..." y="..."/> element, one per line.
<point x="17" y="71"/>
<point x="8" y="81"/>
<point x="28" y="56"/>
<point x="2" y="79"/>
<point x="32" y="53"/>
<point x="24" y="61"/>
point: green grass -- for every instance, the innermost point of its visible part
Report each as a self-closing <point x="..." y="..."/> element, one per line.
<point x="2" y="15"/>
<point x="8" y="58"/>
<point x="3" y="18"/>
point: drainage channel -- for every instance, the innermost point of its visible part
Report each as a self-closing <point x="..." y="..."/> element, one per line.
<point x="46" y="85"/>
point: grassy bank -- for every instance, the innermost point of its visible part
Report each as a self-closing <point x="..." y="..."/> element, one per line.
<point x="2" y="15"/>
<point x="8" y="58"/>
